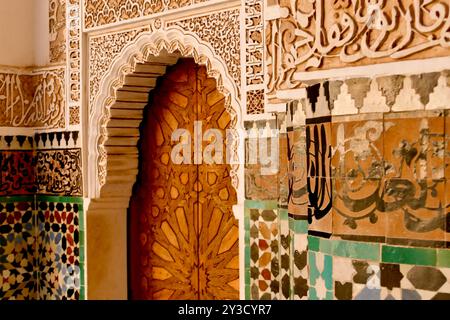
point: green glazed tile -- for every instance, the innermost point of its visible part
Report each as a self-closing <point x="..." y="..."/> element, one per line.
<point x="263" y="205"/>
<point x="326" y="246"/>
<point x="17" y="199"/>
<point x="356" y="250"/>
<point x="82" y="274"/>
<point x="419" y="256"/>
<point x="81" y="244"/>
<point x="313" y="243"/>
<point x="247" y="222"/>
<point x="327" y="273"/>
<point x="247" y="293"/>
<point x="46" y="198"/>
<point x="283" y="213"/>
<point x="301" y="226"/>
<point x="82" y="293"/>
<point x="247" y="256"/>
<point x="443" y="258"/>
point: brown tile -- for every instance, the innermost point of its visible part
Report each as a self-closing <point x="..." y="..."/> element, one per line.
<point x="319" y="182"/>
<point x="323" y="225"/>
<point x="415" y="210"/>
<point x="357" y="208"/>
<point x="357" y="144"/>
<point x="447" y="207"/>
<point x="298" y="195"/>
<point x="413" y="145"/>
<point x="447" y="144"/>
<point x="447" y="171"/>
<point x="318" y="149"/>
<point x="283" y="170"/>
<point x="257" y="185"/>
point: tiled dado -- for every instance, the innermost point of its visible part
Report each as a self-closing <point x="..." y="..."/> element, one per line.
<point x="275" y="253"/>
<point x="371" y="271"/>
<point x="390" y="174"/>
<point x="41" y="248"/>
<point x="262" y="250"/>
<point x="17" y="248"/>
<point x="60" y="243"/>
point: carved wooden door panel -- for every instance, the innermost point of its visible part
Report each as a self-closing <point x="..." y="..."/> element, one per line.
<point x="183" y="235"/>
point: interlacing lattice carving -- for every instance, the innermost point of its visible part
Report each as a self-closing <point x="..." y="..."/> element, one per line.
<point x="103" y="50"/>
<point x="254" y="41"/>
<point x="102" y="12"/>
<point x="221" y="31"/>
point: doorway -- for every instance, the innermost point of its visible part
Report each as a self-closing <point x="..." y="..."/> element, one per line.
<point x="183" y="236"/>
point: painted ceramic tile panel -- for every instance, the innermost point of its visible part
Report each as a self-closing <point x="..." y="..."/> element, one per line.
<point x="358" y="172"/>
<point x="259" y="185"/>
<point x="283" y="171"/>
<point x="59" y="172"/>
<point x="319" y="180"/>
<point x="447" y="172"/>
<point x="17" y="172"/>
<point x="298" y="194"/>
<point x="17" y="249"/>
<point x="415" y="187"/>
<point x="60" y="238"/>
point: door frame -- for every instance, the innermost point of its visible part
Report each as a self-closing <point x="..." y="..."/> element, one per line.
<point x="112" y="162"/>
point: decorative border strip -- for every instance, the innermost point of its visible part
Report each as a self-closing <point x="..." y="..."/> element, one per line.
<point x="380" y="252"/>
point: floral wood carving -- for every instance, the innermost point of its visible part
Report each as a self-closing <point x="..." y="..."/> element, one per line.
<point x="36" y="100"/>
<point x="221" y="31"/>
<point x="57" y="28"/>
<point x="102" y="12"/>
<point x="318" y="34"/>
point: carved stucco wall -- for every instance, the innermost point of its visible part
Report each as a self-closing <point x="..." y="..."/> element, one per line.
<point x="316" y="35"/>
<point x="41" y="159"/>
<point x="268" y="52"/>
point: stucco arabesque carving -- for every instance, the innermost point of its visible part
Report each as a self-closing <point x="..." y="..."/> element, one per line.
<point x="98" y="13"/>
<point x="318" y="34"/>
<point x="103" y="50"/>
<point x="148" y="44"/>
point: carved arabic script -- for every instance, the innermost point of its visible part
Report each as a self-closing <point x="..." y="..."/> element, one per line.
<point x="318" y="34"/>
<point x="33" y="100"/>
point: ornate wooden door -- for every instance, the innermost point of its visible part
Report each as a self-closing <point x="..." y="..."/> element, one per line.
<point x="183" y="235"/>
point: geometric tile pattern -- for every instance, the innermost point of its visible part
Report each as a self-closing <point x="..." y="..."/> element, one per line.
<point x="285" y="253"/>
<point x="320" y="276"/>
<point x="17" y="247"/>
<point x="338" y="269"/>
<point x="60" y="248"/>
<point x="41" y="248"/>
<point x="299" y="259"/>
<point x="409" y="282"/>
<point x="264" y="255"/>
